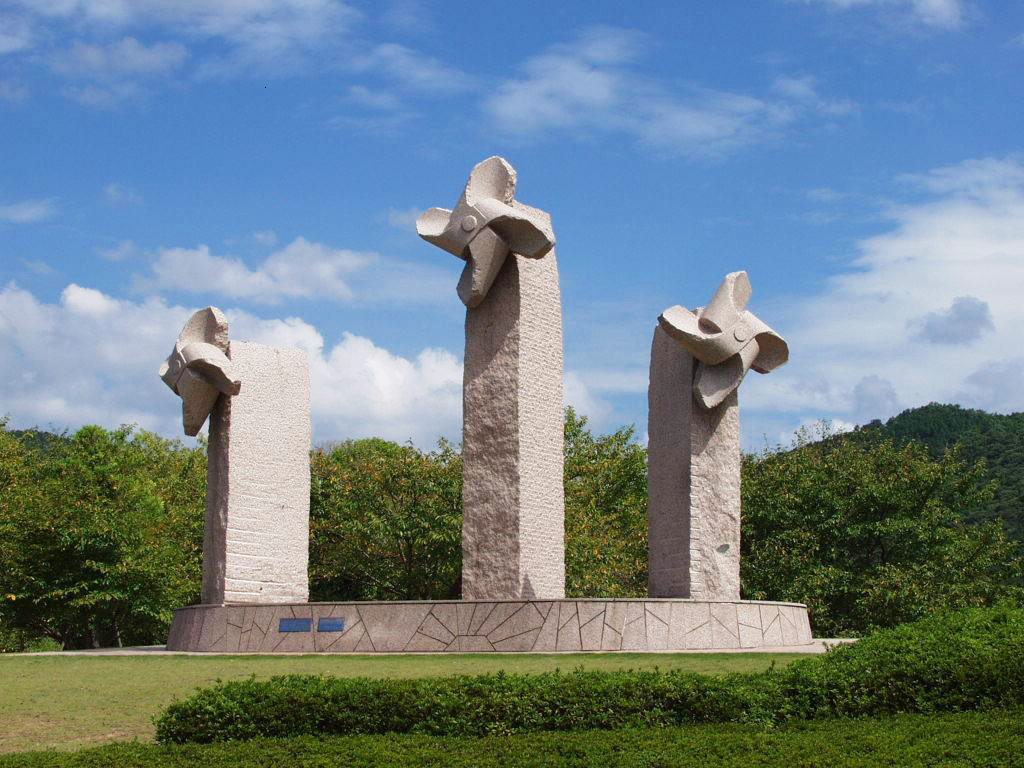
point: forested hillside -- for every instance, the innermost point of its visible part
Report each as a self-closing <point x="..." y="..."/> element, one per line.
<point x="996" y="438"/>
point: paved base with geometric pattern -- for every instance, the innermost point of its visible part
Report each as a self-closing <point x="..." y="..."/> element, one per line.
<point x="526" y="626"/>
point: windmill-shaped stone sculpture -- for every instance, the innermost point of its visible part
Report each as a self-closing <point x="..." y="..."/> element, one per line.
<point x="698" y="360"/>
<point x="513" y="499"/>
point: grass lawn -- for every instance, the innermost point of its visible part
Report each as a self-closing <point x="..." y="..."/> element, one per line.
<point x="963" y="739"/>
<point x="66" y="702"/>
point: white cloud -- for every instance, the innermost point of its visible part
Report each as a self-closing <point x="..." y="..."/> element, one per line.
<point x="413" y="70"/>
<point x="941" y="14"/>
<point x="107" y="96"/>
<point x="404" y="220"/>
<point x="117" y="193"/>
<point x="125" y="57"/>
<point x="15" y="34"/>
<point x="803" y="90"/>
<point x="126" y="249"/>
<point x="256" y="32"/>
<point x="590" y="86"/>
<point x="92" y="358"/>
<point x="857" y="350"/>
<point x="28" y="211"/>
<point x="299" y="270"/>
<point x="584" y="399"/>
<point x="38" y="266"/>
<point x="373" y="99"/>
<point x="965" y="321"/>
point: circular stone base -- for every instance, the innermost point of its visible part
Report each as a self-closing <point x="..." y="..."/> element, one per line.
<point x="480" y="626"/>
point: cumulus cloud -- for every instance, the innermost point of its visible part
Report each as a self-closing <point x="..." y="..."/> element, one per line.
<point x="966" y="320"/>
<point x="591" y="85"/>
<point x="28" y="211"/>
<point x="927" y="311"/>
<point x="92" y="358"/>
<point x="996" y="386"/>
<point x="299" y="270"/>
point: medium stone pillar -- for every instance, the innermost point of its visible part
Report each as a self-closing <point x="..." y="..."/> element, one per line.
<point x="256" y="533"/>
<point x="693" y="488"/>
<point x="512" y="450"/>
<point x="512" y="494"/>
<point x="698" y="359"/>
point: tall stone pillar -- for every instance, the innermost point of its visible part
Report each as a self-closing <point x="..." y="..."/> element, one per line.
<point x="512" y="450"/>
<point x="512" y="498"/>
<point x="698" y="359"/>
<point x="256" y="533"/>
<point x="693" y="491"/>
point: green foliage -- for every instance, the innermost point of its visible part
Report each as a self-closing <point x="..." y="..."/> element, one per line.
<point x="870" y="534"/>
<point x="971" y="659"/>
<point x="386" y="519"/>
<point x="385" y="522"/>
<point x="452" y="706"/>
<point x="23" y="641"/>
<point x="100" y="535"/>
<point x="992" y="739"/>
<point x="949" y="662"/>
<point x="997" y="439"/>
<point x="605" y="512"/>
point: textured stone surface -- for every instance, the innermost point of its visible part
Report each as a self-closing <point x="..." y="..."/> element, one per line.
<point x="693" y="483"/>
<point x="198" y="369"/>
<point x="698" y="359"/>
<point x="513" y="499"/>
<point x="488" y="626"/>
<point x="726" y="339"/>
<point x="256" y="539"/>
<point x="485" y="226"/>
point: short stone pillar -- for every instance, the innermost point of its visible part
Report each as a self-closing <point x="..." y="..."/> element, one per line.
<point x="698" y="360"/>
<point x="512" y="449"/>
<point x="256" y="528"/>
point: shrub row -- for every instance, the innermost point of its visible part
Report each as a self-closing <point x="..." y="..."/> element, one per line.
<point x="993" y="739"/>
<point x="958" y="661"/>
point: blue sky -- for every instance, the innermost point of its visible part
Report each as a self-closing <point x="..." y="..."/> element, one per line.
<point x="862" y="159"/>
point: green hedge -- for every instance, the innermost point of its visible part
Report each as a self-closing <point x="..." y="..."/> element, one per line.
<point x="950" y="662"/>
<point x="994" y="738"/>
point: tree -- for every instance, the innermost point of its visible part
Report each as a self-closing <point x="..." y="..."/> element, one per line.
<point x="605" y="512"/>
<point x="869" y="534"/>
<point x="98" y="536"/>
<point x="385" y="522"/>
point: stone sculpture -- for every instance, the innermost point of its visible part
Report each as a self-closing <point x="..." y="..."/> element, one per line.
<point x="698" y="359"/>
<point x="198" y="369"/>
<point x="256" y="528"/>
<point x="513" y="498"/>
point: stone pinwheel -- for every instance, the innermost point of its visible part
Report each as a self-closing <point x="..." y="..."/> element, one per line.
<point x="726" y="339"/>
<point x="485" y="226"/>
<point x="198" y="369"/>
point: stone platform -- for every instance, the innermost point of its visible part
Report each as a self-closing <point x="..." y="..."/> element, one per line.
<point x="527" y="626"/>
